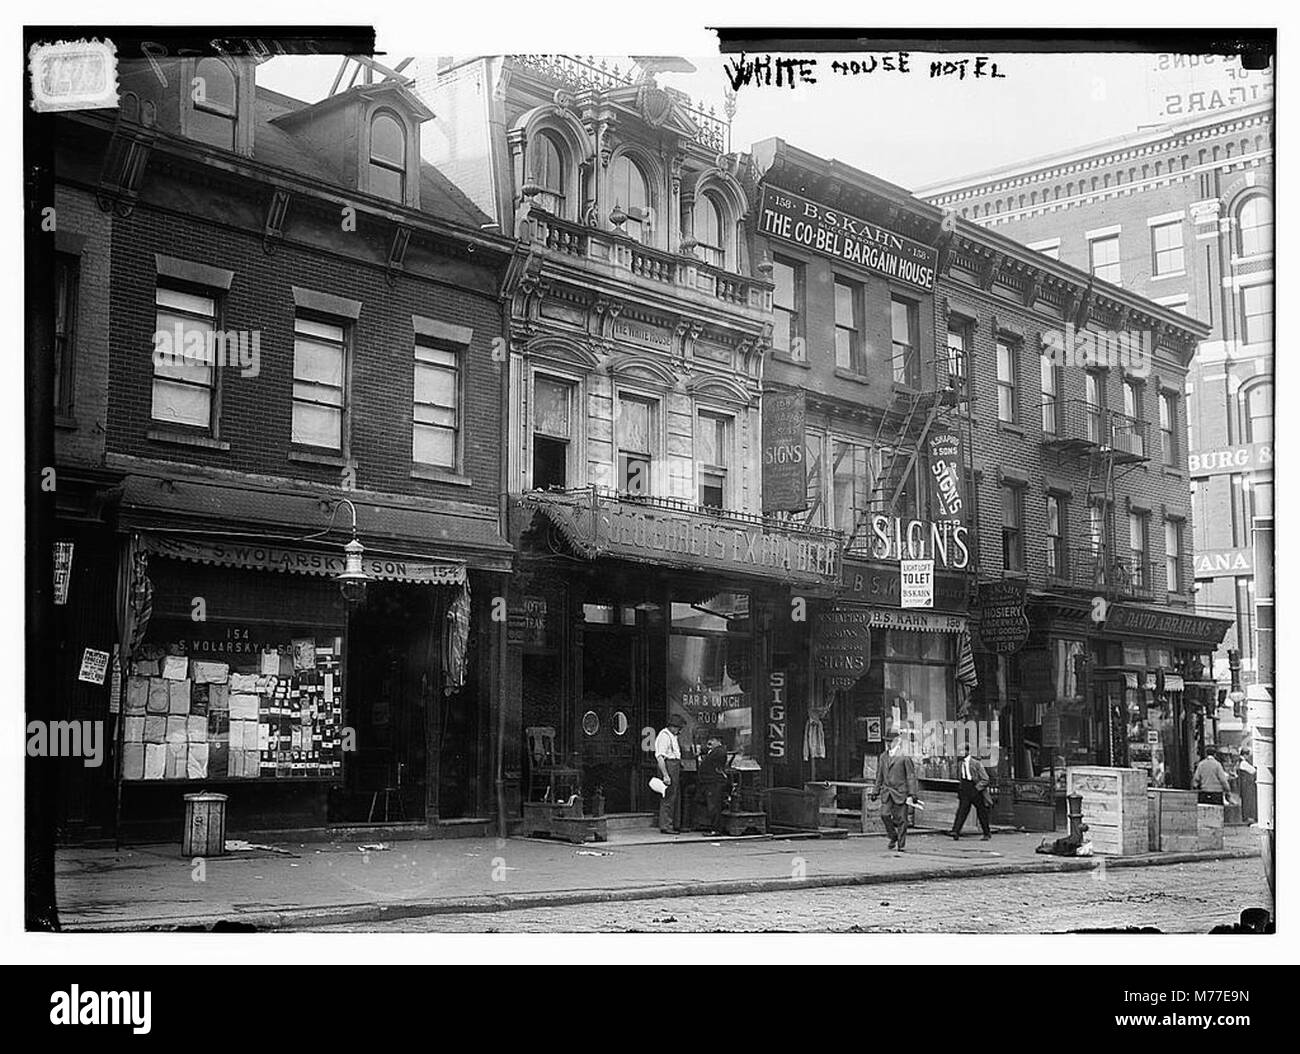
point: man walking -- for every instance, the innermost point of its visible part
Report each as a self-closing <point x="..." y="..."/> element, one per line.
<point x="896" y="787"/>
<point x="972" y="789"/>
<point x="1210" y="780"/>
<point x="668" y="755"/>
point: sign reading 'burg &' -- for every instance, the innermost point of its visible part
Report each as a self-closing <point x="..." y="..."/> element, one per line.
<point x="832" y="233"/>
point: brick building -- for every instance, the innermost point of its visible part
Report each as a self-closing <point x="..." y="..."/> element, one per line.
<point x="916" y="335"/>
<point x="1182" y="214"/>
<point x="278" y="329"/>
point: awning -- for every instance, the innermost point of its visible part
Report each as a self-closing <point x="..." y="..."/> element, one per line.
<point x="1173" y="683"/>
<point x="227" y="514"/>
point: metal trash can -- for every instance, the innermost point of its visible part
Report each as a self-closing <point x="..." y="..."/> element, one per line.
<point x="205" y="825"/>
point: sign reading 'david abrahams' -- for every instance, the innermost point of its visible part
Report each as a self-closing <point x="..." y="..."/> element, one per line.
<point x="945" y="461"/>
<point x="1003" y="625"/>
<point x="785" y="479"/>
<point x="830" y="232"/>
<point x="841" y="651"/>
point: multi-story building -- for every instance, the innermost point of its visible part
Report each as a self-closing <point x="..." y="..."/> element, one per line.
<point x="1182" y="214"/>
<point x="278" y="332"/>
<point x="917" y="335"/>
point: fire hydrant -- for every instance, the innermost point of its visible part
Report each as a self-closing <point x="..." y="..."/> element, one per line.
<point x="1074" y="810"/>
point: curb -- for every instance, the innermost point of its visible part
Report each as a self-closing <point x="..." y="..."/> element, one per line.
<point x="305" y="918"/>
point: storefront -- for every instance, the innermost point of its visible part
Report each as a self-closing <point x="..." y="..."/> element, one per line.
<point x="626" y="611"/>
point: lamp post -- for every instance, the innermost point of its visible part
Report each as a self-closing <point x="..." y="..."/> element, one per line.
<point x="352" y="579"/>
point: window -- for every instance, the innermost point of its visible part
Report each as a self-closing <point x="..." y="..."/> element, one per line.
<point x="630" y="190"/>
<point x="1169" y="428"/>
<point x="1103" y="256"/>
<point x="788" y="304"/>
<point x="1094" y="397"/>
<point x="1167" y="248"/>
<point x="1255" y="226"/>
<point x="815" y="459"/>
<point x="850" y="483"/>
<point x="1259" y="413"/>
<point x="387" y="157"/>
<point x="436" y="413"/>
<point x="319" y="354"/>
<point x="1257" y="313"/>
<point x="1050" y="375"/>
<point x="1245" y="605"/>
<point x="1133" y="411"/>
<point x="907" y="351"/>
<point x="214" y="97"/>
<point x="1096" y="529"/>
<point x="66" y="274"/>
<point x="710" y="230"/>
<point x="1006" y="380"/>
<point x="636" y="445"/>
<point x="1174" y="555"/>
<point x="552" y="432"/>
<point x="713" y="458"/>
<point x="548" y="172"/>
<point x="959" y="362"/>
<point x="1013" y="533"/>
<point x="848" y="325"/>
<point x="1261" y="498"/>
<point x="1056" y="565"/>
<point x="184" y="380"/>
<point x="1138" y="529"/>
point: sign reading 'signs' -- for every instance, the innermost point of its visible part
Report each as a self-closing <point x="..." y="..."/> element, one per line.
<point x="796" y="219"/>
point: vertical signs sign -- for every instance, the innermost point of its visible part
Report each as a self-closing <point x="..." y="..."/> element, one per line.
<point x="776" y="718"/>
<point x="947" y="476"/>
<point x="785" y="484"/>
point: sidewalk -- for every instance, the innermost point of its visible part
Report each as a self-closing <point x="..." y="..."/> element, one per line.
<point x="316" y="884"/>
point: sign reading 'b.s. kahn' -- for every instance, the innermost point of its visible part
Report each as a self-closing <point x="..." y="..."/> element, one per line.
<point x="785" y="477"/>
<point x="848" y="238"/>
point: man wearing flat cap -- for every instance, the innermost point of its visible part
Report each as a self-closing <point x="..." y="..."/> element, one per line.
<point x="896" y="785"/>
<point x="668" y="756"/>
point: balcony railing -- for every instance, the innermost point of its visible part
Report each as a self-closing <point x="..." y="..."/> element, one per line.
<point x="1077" y="426"/>
<point x="684" y="273"/>
<point x="1086" y="570"/>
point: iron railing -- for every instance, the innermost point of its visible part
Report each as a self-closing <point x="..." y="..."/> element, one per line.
<point x="1078" y="425"/>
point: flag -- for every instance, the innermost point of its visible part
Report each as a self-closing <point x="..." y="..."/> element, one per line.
<point x="966" y="678"/>
<point x="457" y="640"/>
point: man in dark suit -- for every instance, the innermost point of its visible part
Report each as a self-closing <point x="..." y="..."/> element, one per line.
<point x="711" y="777"/>
<point x="896" y="786"/>
<point x="972" y="789"/>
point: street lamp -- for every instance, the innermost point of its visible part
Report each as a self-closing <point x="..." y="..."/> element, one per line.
<point x="352" y="579"/>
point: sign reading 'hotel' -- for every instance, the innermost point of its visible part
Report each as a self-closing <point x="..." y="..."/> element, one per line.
<point x="832" y="233"/>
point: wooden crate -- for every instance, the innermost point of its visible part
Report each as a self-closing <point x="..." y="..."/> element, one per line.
<point x="1114" y="808"/>
<point x="1209" y="827"/>
<point x="1169" y="813"/>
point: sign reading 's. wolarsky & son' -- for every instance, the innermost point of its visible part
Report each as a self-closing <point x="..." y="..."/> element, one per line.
<point x="848" y="238"/>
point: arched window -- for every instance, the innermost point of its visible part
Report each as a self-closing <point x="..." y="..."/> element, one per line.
<point x="1259" y="412"/>
<point x="711" y="230"/>
<point x="1255" y="225"/>
<point x="549" y="172"/>
<point x="214" y="94"/>
<point x="629" y="189"/>
<point x="388" y="157"/>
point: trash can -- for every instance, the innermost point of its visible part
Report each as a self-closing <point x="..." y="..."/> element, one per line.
<point x="205" y="825"/>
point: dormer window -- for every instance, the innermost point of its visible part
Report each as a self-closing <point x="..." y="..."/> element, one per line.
<point x="629" y="189"/>
<point x="549" y="173"/>
<point x="214" y="96"/>
<point x="388" y="158"/>
<point x="710" y="230"/>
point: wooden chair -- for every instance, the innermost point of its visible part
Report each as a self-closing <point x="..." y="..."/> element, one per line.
<point x="544" y="768"/>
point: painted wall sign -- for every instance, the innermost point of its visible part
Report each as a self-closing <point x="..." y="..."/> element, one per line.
<point x="776" y="715"/>
<point x="841" y="651"/>
<point x="1003" y="625"/>
<point x="922" y="621"/>
<point x="785" y="473"/>
<point x="1166" y="625"/>
<point x="1248" y="457"/>
<point x="832" y="233"/>
<point x="881" y="584"/>
<point x="946" y="463"/>
<point x="643" y="333"/>
<point x="917" y="577"/>
<point x="1224" y="563"/>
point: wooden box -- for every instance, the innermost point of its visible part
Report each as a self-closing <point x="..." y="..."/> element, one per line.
<point x="1209" y="827"/>
<point x="1171" y="814"/>
<point x="1115" y="808"/>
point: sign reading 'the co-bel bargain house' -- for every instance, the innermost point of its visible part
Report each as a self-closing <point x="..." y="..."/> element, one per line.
<point x="830" y="232"/>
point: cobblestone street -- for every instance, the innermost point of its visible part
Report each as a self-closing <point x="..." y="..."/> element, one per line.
<point x="1184" y="898"/>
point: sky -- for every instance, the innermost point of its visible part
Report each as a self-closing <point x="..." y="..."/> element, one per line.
<point x="910" y="128"/>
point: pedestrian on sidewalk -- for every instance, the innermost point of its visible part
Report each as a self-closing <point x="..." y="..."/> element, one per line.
<point x="972" y="789"/>
<point x="711" y="775"/>
<point x="896" y="787"/>
<point x="668" y="755"/>
<point x="1210" y="779"/>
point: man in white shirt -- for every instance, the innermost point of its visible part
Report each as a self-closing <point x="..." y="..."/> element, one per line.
<point x="668" y="755"/>
<point x="972" y="788"/>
